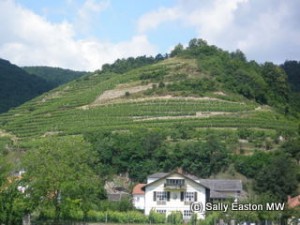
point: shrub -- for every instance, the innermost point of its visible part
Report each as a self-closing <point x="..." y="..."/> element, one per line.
<point x="76" y="215"/>
<point x="161" y="84"/>
<point x="193" y="219"/>
<point x="124" y="205"/>
<point x="155" y="217"/>
<point x="154" y="75"/>
<point x="175" y="218"/>
<point x="136" y="217"/>
<point x="46" y="214"/>
<point x="244" y="133"/>
<point x="117" y="217"/>
<point x="71" y="210"/>
<point x="95" y="216"/>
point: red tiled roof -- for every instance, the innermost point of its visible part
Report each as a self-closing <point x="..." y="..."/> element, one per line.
<point x="137" y="190"/>
<point x="294" y="202"/>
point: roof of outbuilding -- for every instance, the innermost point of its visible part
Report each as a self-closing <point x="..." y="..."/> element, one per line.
<point x="219" y="195"/>
<point x="294" y="202"/>
<point x="137" y="190"/>
<point x="223" y="185"/>
<point x="117" y="196"/>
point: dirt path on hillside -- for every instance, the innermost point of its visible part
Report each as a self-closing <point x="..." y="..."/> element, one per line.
<point x="116" y="96"/>
<point x="119" y="92"/>
<point x="106" y="101"/>
<point x="198" y="115"/>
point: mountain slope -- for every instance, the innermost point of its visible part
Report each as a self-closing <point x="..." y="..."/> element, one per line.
<point x="54" y="76"/>
<point x="200" y="109"/>
<point x="200" y="87"/>
<point x="162" y="95"/>
<point x="17" y="86"/>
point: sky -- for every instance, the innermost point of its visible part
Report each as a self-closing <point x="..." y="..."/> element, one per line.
<point x="85" y="34"/>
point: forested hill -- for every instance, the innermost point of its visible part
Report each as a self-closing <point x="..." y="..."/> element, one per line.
<point x="17" y="86"/>
<point x="53" y="75"/>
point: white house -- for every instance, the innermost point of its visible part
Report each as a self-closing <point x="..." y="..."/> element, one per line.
<point x="176" y="191"/>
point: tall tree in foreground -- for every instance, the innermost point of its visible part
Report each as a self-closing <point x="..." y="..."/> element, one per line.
<point x="58" y="174"/>
<point x="279" y="178"/>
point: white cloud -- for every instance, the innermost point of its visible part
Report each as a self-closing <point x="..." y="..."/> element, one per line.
<point x="265" y="30"/>
<point x="88" y="12"/>
<point x="153" y="19"/>
<point x="211" y="22"/>
<point x="32" y="40"/>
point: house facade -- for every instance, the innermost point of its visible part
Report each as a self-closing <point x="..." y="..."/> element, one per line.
<point x="176" y="191"/>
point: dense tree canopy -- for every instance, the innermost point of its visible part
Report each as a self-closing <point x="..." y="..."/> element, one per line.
<point x="266" y="84"/>
<point x="17" y="86"/>
<point x="144" y="152"/>
<point x="124" y="65"/>
<point x="279" y="178"/>
<point x="292" y="69"/>
<point x="54" y="76"/>
<point x="58" y="174"/>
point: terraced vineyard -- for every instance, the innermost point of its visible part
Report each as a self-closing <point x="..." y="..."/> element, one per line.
<point x="72" y="109"/>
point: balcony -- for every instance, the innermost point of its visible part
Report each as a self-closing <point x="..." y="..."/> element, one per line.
<point x="174" y="186"/>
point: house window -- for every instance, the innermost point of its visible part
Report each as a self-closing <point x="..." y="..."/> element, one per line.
<point x="188" y="197"/>
<point x="187" y="213"/>
<point x="161" y="195"/>
<point x="175" y="182"/>
<point x="162" y="211"/>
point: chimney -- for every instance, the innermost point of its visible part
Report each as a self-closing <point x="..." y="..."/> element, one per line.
<point x="180" y="170"/>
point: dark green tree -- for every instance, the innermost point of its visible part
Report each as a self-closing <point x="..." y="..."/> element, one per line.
<point x="250" y="165"/>
<point x="292" y="147"/>
<point x="205" y="159"/>
<point x="276" y="78"/>
<point x="59" y="172"/>
<point x="177" y="50"/>
<point x="292" y="69"/>
<point x="279" y="178"/>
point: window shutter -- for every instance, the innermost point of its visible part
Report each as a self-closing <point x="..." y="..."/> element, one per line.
<point x="195" y="196"/>
<point x="154" y="195"/>
<point x="168" y="196"/>
<point x="182" y="196"/>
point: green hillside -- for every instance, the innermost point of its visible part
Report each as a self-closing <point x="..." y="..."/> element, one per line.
<point x="54" y="76"/>
<point x="17" y="86"/>
<point x="180" y="89"/>
<point x="209" y="111"/>
<point x="125" y="101"/>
